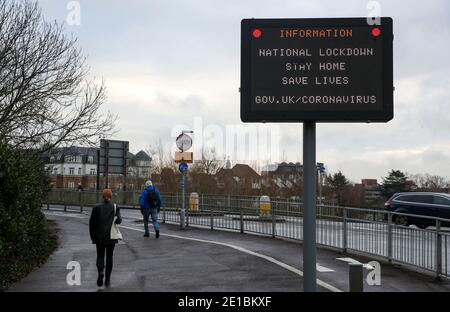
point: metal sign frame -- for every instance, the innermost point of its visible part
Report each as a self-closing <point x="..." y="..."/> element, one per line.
<point x="265" y="114"/>
<point x="104" y="159"/>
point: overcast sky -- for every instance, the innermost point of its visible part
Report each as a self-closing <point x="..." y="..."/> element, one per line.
<point x="168" y="62"/>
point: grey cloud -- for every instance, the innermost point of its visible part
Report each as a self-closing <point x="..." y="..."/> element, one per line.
<point x="185" y="39"/>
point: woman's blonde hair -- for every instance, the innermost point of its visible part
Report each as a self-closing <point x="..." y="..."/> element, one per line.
<point x="107" y="194"/>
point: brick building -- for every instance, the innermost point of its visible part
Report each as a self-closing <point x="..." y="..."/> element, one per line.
<point x="369" y="189"/>
<point x="241" y="179"/>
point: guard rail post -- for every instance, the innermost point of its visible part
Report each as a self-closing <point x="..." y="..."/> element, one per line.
<point x="164" y="213"/>
<point x="344" y="230"/>
<point x="389" y="238"/>
<point x="272" y="212"/>
<point x="241" y="216"/>
<point x="81" y="201"/>
<point x="438" y="249"/>
<point x="211" y="217"/>
<point x="65" y="203"/>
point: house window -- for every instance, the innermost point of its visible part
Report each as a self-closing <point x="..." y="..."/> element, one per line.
<point x="71" y="185"/>
<point x="92" y="171"/>
<point x="55" y="171"/>
<point x="71" y="171"/>
<point x="79" y="171"/>
<point x="130" y="187"/>
<point x="91" y="159"/>
<point x="93" y="186"/>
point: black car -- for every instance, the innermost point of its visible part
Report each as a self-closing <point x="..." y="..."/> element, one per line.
<point x="425" y="204"/>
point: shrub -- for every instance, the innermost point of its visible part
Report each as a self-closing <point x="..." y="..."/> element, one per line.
<point x="25" y="238"/>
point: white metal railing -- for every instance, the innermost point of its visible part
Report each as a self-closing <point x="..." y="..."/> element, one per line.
<point x="369" y="231"/>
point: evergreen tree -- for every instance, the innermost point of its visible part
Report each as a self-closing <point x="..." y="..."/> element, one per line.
<point x="337" y="183"/>
<point x="395" y="182"/>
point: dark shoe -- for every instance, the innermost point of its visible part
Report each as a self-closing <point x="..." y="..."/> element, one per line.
<point x="157" y="234"/>
<point x="100" y="280"/>
<point x="146" y="235"/>
<point x="107" y="281"/>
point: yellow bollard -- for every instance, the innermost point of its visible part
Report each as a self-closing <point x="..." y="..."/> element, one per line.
<point x="264" y="206"/>
<point x="193" y="202"/>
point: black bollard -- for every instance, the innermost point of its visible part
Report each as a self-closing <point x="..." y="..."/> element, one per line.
<point x="356" y="279"/>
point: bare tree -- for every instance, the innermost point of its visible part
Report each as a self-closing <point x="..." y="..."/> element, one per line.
<point x="46" y="99"/>
<point x="428" y="182"/>
<point x="162" y="157"/>
<point x="156" y="152"/>
<point x="209" y="162"/>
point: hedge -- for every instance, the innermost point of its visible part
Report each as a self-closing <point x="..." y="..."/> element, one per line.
<point x="26" y="240"/>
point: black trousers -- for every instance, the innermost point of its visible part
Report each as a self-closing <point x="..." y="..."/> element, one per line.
<point x="101" y="258"/>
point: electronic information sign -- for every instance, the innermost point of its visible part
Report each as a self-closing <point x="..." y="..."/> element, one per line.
<point x="324" y="70"/>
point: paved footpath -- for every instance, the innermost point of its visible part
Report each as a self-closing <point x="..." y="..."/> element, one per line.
<point x="200" y="260"/>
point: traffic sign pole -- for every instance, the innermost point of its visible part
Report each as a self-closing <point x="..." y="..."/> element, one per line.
<point x="183" y="167"/>
<point x="182" y="212"/>
<point x="309" y="209"/>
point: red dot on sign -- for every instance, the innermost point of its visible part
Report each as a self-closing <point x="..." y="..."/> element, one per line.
<point x="257" y="33"/>
<point x="376" y="32"/>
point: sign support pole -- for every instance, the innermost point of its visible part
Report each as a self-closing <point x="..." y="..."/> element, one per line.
<point x="309" y="214"/>
<point x="98" y="170"/>
<point x="182" y="212"/>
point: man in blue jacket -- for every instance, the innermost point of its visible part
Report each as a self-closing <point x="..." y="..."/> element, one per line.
<point x="151" y="203"/>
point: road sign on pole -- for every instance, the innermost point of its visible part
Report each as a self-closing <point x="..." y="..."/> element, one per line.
<point x="320" y="167"/>
<point x="184" y="142"/>
<point x="315" y="70"/>
<point x="183" y="167"/>
<point x="113" y="158"/>
<point x="184" y="157"/>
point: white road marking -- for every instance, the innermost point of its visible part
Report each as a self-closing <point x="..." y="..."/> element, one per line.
<point x="65" y="214"/>
<point x="351" y="260"/>
<point x="270" y="259"/>
<point x="323" y="269"/>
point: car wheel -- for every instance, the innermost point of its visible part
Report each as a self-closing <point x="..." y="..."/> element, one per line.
<point x="401" y="220"/>
<point x="422" y="226"/>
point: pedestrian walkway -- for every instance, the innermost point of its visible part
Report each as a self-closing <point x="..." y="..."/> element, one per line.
<point x="200" y="260"/>
<point x="147" y="264"/>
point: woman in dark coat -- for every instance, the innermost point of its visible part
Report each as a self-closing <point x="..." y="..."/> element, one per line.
<point x="100" y="223"/>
